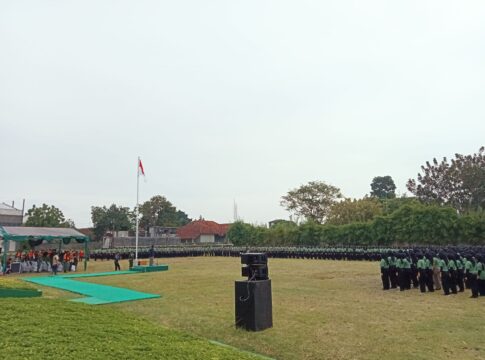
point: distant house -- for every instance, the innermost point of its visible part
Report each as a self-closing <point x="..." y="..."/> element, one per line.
<point x="278" y="221"/>
<point x="203" y="231"/>
<point x="10" y="216"/>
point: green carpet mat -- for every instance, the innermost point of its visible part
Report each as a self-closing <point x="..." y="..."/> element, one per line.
<point x="109" y="273"/>
<point x="97" y="294"/>
<point x="149" y="268"/>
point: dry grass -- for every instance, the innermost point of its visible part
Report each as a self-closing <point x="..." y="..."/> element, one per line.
<point x="321" y="310"/>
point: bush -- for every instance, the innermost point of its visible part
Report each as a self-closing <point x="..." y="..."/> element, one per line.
<point x="410" y="223"/>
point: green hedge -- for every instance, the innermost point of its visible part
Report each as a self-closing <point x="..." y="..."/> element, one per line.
<point x="409" y="224"/>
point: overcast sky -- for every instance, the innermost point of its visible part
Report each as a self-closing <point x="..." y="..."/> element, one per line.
<point x="231" y="100"/>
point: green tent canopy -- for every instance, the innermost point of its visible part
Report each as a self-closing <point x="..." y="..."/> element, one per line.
<point x="21" y="233"/>
<point x="37" y="235"/>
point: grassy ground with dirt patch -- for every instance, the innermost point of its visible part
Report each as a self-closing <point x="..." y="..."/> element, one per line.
<point x="321" y="310"/>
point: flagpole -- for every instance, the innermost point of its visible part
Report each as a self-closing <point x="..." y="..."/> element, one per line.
<point x="137" y="208"/>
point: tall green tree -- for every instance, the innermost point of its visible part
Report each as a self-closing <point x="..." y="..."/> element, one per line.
<point x="383" y="187"/>
<point x="356" y="210"/>
<point x="312" y="201"/>
<point x="47" y="216"/>
<point x="158" y="211"/>
<point x="114" y="218"/>
<point x="459" y="183"/>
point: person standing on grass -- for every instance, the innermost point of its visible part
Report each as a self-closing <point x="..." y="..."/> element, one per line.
<point x="445" y="275"/>
<point x="151" y="255"/>
<point x="429" y="272"/>
<point x="400" y="272"/>
<point x="421" y="267"/>
<point x="117" y="261"/>
<point x="131" y="257"/>
<point x="436" y="272"/>
<point x="472" y="276"/>
<point x="468" y="263"/>
<point x="459" y="261"/>
<point x="384" y="273"/>
<point x="452" y="269"/>
<point x="391" y="259"/>
<point x="406" y="264"/>
<point x="55" y="262"/>
<point x="481" y="275"/>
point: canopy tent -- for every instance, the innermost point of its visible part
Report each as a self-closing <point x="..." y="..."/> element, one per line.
<point x="36" y="235"/>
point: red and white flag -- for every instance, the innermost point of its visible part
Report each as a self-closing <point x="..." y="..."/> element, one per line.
<point x="140" y="168"/>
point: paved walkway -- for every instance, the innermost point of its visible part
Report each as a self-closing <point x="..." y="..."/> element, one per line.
<point x="96" y="294"/>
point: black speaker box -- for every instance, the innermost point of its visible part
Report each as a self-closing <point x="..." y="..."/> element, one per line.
<point x="254" y="308"/>
<point x="254" y="258"/>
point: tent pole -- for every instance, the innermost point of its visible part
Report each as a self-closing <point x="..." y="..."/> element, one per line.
<point x="85" y="255"/>
<point x="5" y="250"/>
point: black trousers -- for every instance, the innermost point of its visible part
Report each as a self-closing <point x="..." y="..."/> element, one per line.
<point x="472" y="280"/>
<point x="407" y="278"/>
<point x="467" y="280"/>
<point x="393" y="277"/>
<point x="414" y="276"/>
<point x="429" y="280"/>
<point x="445" y="282"/>
<point x="481" y="287"/>
<point x="385" y="279"/>
<point x="422" y="280"/>
<point x="459" y="280"/>
<point x="453" y="281"/>
<point x="401" y="279"/>
<point x="117" y="265"/>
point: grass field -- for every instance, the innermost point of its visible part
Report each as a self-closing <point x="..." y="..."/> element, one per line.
<point x="321" y="310"/>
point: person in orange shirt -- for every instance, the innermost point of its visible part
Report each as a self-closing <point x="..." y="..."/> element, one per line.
<point x="66" y="260"/>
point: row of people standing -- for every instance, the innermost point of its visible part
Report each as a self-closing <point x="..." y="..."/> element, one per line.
<point x="450" y="272"/>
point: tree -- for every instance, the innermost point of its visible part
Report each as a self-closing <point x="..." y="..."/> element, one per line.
<point x="459" y="183"/>
<point x="383" y="187"/>
<point x="47" y="216"/>
<point x="114" y="218"/>
<point x="158" y="211"/>
<point x="357" y="210"/>
<point x="312" y="201"/>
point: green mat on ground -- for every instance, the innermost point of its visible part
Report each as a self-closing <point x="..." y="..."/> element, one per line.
<point x="97" y="294"/>
<point x="149" y="268"/>
<point x="109" y="273"/>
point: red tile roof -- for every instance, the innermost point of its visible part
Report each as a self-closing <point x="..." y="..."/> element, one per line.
<point x="202" y="227"/>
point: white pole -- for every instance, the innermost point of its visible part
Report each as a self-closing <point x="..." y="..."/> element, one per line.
<point x="137" y="210"/>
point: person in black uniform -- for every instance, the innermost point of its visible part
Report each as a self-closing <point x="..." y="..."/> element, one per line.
<point x="385" y="272"/>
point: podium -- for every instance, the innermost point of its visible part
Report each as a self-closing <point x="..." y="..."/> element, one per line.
<point x="254" y="309"/>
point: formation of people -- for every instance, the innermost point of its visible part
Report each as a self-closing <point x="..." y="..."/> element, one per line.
<point x="328" y="253"/>
<point x="49" y="260"/>
<point x="451" y="270"/>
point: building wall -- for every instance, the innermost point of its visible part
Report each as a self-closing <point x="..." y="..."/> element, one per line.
<point x="206" y="239"/>
<point x="10" y="220"/>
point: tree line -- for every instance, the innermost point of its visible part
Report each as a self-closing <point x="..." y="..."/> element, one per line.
<point x="447" y="208"/>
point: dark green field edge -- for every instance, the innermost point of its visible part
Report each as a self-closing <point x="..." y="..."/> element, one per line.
<point x="38" y="328"/>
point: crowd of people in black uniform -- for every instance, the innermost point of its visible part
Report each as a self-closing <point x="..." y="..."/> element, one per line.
<point x="450" y="269"/>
